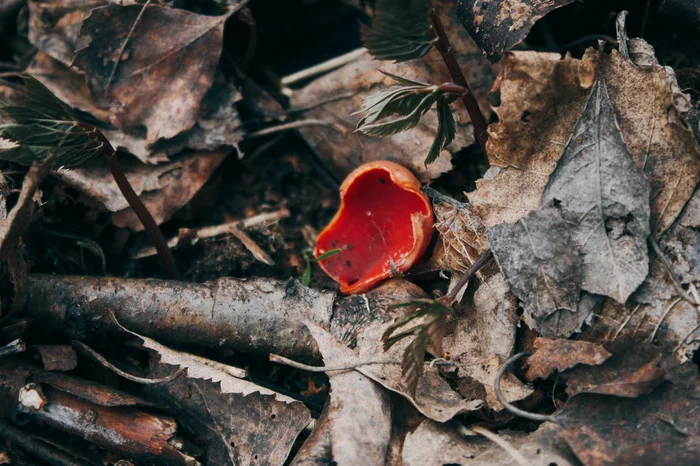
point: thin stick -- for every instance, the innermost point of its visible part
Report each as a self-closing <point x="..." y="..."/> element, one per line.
<point x="634" y="311"/>
<point x="470" y="103"/>
<point x="123" y="47"/>
<point x="680" y="345"/>
<point x="150" y="225"/>
<point x="295" y="125"/>
<point x="324" y="67"/>
<point x="500" y="441"/>
<point x="663" y="316"/>
<point x="509" y="407"/>
<point x="134" y="378"/>
<point x="672" y="275"/>
<point x="341" y="367"/>
<point x="476" y="266"/>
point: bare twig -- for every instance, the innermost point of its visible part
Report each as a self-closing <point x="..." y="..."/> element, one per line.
<point x="222" y="229"/>
<point x="252" y="246"/>
<point x="13" y="347"/>
<point x="341" y="367"/>
<point x="624" y="324"/>
<point x="663" y="316"/>
<point x="36" y="447"/>
<point x="508" y="406"/>
<point x="495" y="438"/>
<point x="295" y="125"/>
<point x="470" y="103"/>
<point x="324" y="67"/>
<point x="672" y="275"/>
<point x="134" y="378"/>
<point x="476" y="266"/>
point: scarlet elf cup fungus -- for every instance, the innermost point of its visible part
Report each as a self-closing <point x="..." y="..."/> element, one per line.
<point x="384" y="220"/>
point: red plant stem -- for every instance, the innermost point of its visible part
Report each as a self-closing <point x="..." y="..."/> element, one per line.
<point x="451" y="297"/>
<point x="136" y="204"/>
<point x="452" y="88"/>
<point x="445" y="48"/>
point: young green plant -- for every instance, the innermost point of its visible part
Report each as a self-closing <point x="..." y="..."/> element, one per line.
<point x="406" y="30"/>
<point x="44" y="126"/>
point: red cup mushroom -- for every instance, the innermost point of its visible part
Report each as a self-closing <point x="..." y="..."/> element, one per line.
<point x="384" y="221"/>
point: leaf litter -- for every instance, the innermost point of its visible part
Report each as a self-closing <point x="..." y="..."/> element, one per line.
<point x="588" y="208"/>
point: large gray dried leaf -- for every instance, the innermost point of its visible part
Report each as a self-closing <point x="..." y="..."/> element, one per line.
<point x="604" y="195"/>
<point x="540" y="263"/>
<point x="359" y="411"/>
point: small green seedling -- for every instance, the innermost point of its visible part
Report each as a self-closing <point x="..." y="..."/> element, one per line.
<point x="310" y="259"/>
<point x="406" y="30"/>
<point x="43" y="127"/>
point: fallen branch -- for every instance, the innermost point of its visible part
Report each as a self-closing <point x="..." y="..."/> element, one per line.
<point x="254" y="316"/>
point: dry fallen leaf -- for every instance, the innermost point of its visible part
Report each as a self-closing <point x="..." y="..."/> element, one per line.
<point x="240" y="421"/>
<point x="359" y="411"/>
<point x="433" y="444"/>
<point x="560" y="354"/>
<point x="604" y="197"/>
<point x="651" y="111"/>
<point x="499" y="26"/>
<point x="659" y="428"/>
<point x="164" y="188"/>
<point x="54" y="26"/>
<point x="159" y="69"/>
<point x="542" y="98"/>
<point x="657" y="310"/>
<point x="337" y="95"/>
<point x="54" y="29"/>
<point x="631" y="371"/>
<point x="538" y="258"/>
<point x="482" y="340"/>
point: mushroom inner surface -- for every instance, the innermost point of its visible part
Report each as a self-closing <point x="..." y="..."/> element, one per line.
<point x="374" y="226"/>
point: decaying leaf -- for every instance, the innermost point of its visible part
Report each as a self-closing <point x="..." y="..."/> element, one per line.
<point x="241" y="421"/>
<point x="164" y="189"/>
<point x="54" y="26"/>
<point x="498" y="26"/>
<point x="542" y="98"/>
<point x="652" y="113"/>
<point x="539" y="260"/>
<point x="462" y="236"/>
<point x="159" y="84"/>
<point x="434" y="398"/>
<point x="604" y="196"/>
<point x="659" y="428"/>
<point x="482" y="340"/>
<point x="560" y="354"/>
<point x="433" y="444"/>
<point x="631" y="371"/>
<point x="359" y="410"/>
<point x="54" y="29"/>
<point x="657" y="310"/>
<point x="337" y="95"/>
